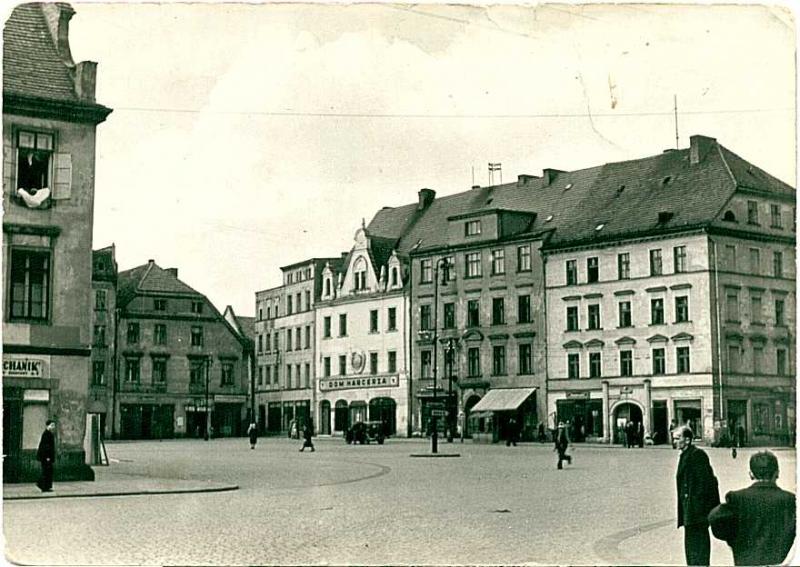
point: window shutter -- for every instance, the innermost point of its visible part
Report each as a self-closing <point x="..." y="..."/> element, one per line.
<point x="62" y="186"/>
<point x="8" y="168"/>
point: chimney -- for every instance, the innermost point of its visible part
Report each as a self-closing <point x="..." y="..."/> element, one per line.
<point x="549" y="175"/>
<point x="85" y="80"/>
<point x="524" y="179"/>
<point x="476" y="186"/>
<point x="151" y="261"/>
<point x="426" y="197"/>
<point x="699" y="147"/>
<point x="173" y="272"/>
<point x="58" y="16"/>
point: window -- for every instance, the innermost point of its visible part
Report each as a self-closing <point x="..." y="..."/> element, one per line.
<point x="524" y="309"/>
<point x="594" y="316"/>
<point x="498" y="262"/>
<point x="426" y="271"/>
<point x="498" y="311"/>
<point x="425" y="364"/>
<point x="288" y="375"/>
<point x="260" y="344"/>
<point x="624" y="313"/>
<point x="449" y="265"/>
<point x="307" y="343"/>
<point x="327" y="287"/>
<point x="659" y="362"/>
<point x="373" y="363"/>
<point x="343" y="324"/>
<point x="359" y="278"/>
<point x="572" y="272"/>
<point x="99" y="335"/>
<point x="777" y="264"/>
<point x="160" y="335"/>
<point x="267" y="342"/>
<point x="298" y="338"/>
<point x="733" y="358"/>
<point x="595" y="365"/>
<point x="288" y="339"/>
<point x="373" y="321"/>
<point x="260" y="380"/>
<point x="730" y="256"/>
<point x="775" y="214"/>
<point x="289" y="304"/>
<point x="681" y="309"/>
<point x="392" y="358"/>
<point x="307" y="375"/>
<point x="732" y="306"/>
<point x="308" y="300"/>
<point x="624" y="266"/>
<point x="626" y="363"/>
<point x="197" y="336"/>
<point x="755" y="261"/>
<point x="30" y="283"/>
<point x="449" y="362"/>
<point x="472" y="228"/>
<point x="679" y="257"/>
<point x="474" y="362"/>
<point x="758" y="359"/>
<point x="132" y="370"/>
<point x="755" y="309"/>
<point x="752" y="212"/>
<point x="655" y="263"/>
<point x="425" y="318"/>
<point x="160" y="304"/>
<point x="394" y="278"/>
<point x="498" y="360"/>
<point x="326" y="327"/>
<point x="592" y="270"/>
<point x="133" y="333"/>
<point x="342" y="365"/>
<point x="326" y="366"/>
<point x="159" y="370"/>
<point x="473" y="312"/>
<point x="572" y="318"/>
<point x="100" y="300"/>
<point x="525" y="359"/>
<point x="780" y="356"/>
<point x="197" y="307"/>
<point x="682" y="354"/>
<point x="298" y="302"/>
<point x="449" y="316"/>
<point x="657" y="311"/>
<point x="98" y="373"/>
<point x="524" y="258"/>
<point x="34" y="152"/>
<point x="392" y="312"/>
<point x="574" y="365"/>
<point x="473" y="265"/>
<point x="780" y="317"/>
<point x="276" y="340"/>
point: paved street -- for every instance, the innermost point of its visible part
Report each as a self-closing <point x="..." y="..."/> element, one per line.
<point x="375" y="505"/>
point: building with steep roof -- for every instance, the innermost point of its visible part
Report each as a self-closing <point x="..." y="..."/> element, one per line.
<point x="50" y="118"/>
<point x="104" y="313"/>
<point x="182" y="370"/>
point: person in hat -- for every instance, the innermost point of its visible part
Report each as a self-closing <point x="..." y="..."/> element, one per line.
<point x="562" y="442"/>
<point x="757" y="522"/>
<point x="46" y="454"/>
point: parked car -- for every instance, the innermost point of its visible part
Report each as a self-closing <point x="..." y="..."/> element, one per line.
<point x="365" y="431"/>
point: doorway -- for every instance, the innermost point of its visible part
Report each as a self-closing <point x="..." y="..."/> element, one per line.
<point x="325" y="417"/>
<point x="12" y="437"/>
<point x="659" y="423"/>
<point x="625" y="413"/>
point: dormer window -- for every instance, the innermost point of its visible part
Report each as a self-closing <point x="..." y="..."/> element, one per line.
<point x="327" y="287"/>
<point x="360" y="275"/>
<point x="472" y="228"/>
<point x="395" y="277"/>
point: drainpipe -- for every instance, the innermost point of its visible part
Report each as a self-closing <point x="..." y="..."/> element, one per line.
<point x="115" y="376"/>
<point x="719" y="334"/>
<point x="407" y="350"/>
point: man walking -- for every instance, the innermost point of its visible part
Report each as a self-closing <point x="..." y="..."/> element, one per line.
<point x="46" y="454"/>
<point x="757" y="522"/>
<point x="562" y="442"/>
<point x="308" y="431"/>
<point x="698" y="494"/>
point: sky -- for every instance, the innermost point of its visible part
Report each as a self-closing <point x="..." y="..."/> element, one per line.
<point x="246" y="137"/>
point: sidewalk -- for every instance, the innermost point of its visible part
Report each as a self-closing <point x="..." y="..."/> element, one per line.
<point x="110" y="483"/>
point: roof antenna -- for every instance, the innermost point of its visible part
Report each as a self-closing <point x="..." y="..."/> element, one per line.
<point x="473" y="176"/>
<point x="675" y="98"/>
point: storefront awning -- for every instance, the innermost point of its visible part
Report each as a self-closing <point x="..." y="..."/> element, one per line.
<point x="503" y="399"/>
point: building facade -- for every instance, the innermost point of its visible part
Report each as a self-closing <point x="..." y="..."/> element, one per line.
<point x="245" y="328"/>
<point x="104" y="332"/>
<point x="182" y="370"/>
<point x="49" y="123"/>
<point x="361" y="340"/>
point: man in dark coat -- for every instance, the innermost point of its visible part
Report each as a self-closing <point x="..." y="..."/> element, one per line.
<point x="698" y="494"/>
<point x="562" y="442"/>
<point x="46" y="454"/>
<point x="757" y="522"/>
<point x="308" y="431"/>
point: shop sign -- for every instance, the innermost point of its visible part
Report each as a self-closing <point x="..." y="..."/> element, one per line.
<point x="23" y="367"/>
<point x="198" y="407"/>
<point x="584" y="395"/>
<point x="328" y="384"/>
<point x="36" y="396"/>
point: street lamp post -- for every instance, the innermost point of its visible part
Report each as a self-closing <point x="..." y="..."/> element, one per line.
<point x="208" y="413"/>
<point x="445" y="277"/>
<point x="451" y="361"/>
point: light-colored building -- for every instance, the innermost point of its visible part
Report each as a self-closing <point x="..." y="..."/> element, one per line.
<point x="362" y="341"/>
<point x="104" y="332"/>
<point x="49" y="125"/>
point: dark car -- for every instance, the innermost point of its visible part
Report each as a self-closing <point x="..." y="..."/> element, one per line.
<point x="365" y="431"/>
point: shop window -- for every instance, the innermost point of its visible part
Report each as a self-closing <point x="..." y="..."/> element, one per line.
<point x="30" y="285"/>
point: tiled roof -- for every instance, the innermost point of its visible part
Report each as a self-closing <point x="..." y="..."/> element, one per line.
<point x="31" y="63"/>
<point x="149" y="278"/>
<point x="748" y="175"/>
<point x="248" y="326"/>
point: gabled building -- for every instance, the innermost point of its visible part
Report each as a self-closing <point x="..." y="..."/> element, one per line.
<point x="245" y="327"/>
<point x="50" y="118"/>
<point x="182" y="368"/>
<point x="104" y="332"/>
<point x="361" y="339"/>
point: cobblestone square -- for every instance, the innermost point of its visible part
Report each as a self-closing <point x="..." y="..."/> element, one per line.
<point x="375" y="505"/>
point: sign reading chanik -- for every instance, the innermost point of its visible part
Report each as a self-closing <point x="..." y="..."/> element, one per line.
<point x="23" y="367"/>
<point x="360" y="382"/>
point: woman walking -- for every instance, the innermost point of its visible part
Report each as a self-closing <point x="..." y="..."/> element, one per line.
<point x="252" y="432"/>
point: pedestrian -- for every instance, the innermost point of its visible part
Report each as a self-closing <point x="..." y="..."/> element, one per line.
<point x="46" y="454"/>
<point x="252" y="432"/>
<point x="757" y="522"/>
<point x="562" y="442"/>
<point x="511" y="434"/>
<point x="640" y="434"/>
<point x="698" y="494"/>
<point x="308" y="430"/>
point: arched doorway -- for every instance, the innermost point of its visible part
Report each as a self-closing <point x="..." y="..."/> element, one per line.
<point x="324" y="417"/>
<point x="340" y="417"/>
<point x="625" y="413"/>
<point x="358" y="411"/>
<point x="384" y="410"/>
<point x="468" y="405"/>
